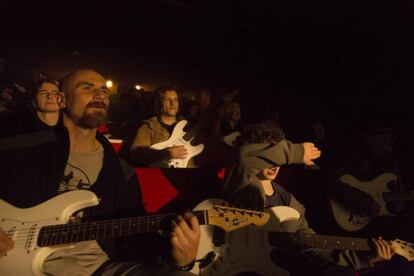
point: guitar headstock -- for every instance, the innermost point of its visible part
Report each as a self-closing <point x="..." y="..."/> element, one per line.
<point x="403" y="248"/>
<point x="230" y="218"/>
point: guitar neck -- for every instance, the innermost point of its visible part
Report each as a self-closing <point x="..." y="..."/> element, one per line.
<point x="320" y="241"/>
<point x="76" y="232"/>
<point x="196" y="128"/>
<point x="398" y="196"/>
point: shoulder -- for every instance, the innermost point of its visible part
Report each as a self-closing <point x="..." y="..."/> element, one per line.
<point x="151" y="123"/>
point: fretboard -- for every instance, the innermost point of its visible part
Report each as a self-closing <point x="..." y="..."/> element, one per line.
<point x="319" y="241"/>
<point x="196" y="128"/>
<point x="104" y="229"/>
<point x="398" y="196"/>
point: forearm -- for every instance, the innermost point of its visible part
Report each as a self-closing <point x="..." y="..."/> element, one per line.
<point x="255" y="157"/>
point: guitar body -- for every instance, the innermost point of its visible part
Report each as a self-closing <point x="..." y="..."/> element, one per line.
<point x="23" y="226"/>
<point x="353" y="221"/>
<point x="177" y="139"/>
<point x="245" y="250"/>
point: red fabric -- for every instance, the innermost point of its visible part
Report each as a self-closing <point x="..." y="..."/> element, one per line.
<point x="156" y="189"/>
<point x="221" y="173"/>
<point x="116" y="146"/>
<point x="103" y="129"/>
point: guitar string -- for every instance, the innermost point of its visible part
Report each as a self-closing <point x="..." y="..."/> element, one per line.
<point x="23" y="233"/>
<point x="316" y="239"/>
<point x="138" y="219"/>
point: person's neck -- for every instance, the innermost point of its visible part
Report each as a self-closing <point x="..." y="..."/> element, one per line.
<point x="168" y="120"/>
<point x="49" y="118"/>
<point x="267" y="187"/>
<point x="81" y="139"/>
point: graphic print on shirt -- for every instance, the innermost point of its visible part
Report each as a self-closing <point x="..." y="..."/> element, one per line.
<point x="74" y="178"/>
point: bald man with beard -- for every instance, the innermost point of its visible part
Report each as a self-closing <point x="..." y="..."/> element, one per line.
<point x="73" y="155"/>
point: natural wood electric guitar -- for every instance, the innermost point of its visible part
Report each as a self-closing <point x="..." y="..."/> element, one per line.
<point x="350" y="220"/>
<point x="39" y="231"/>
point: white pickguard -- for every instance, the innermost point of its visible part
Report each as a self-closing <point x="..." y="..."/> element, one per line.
<point x="176" y="139"/>
<point x="23" y="225"/>
<point x="353" y="221"/>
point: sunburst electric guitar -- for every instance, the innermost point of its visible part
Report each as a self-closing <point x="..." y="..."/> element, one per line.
<point x="39" y="231"/>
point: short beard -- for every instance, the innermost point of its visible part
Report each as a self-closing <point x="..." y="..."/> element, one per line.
<point x="92" y="120"/>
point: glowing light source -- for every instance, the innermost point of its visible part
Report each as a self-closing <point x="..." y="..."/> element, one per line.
<point x="109" y="84"/>
<point x="138" y="87"/>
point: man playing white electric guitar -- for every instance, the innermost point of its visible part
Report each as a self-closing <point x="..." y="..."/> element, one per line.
<point x="159" y="129"/>
<point x="36" y="167"/>
<point x="299" y="261"/>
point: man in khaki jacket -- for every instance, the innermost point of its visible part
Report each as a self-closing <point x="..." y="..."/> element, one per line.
<point x="158" y="129"/>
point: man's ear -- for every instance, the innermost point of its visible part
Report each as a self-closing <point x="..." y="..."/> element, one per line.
<point x="61" y="100"/>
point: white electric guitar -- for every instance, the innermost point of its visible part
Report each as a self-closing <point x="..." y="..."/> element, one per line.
<point x="249" y="250"/>
<point x="39" y="231"/>
<point x="179" y="138"/>
<point x="378" y="188"/>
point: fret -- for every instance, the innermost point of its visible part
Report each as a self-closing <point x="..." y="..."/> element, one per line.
<point x="78" y="231"/>
<point x="98" y="227"/>
<point x="396" y="196"/>
<point x="119" y="227"/>
<point x="64" y="235"/>
<point x="113" y="228"/>
<point x="333" y="242"/>
<point x="318" y="241"/>
<point x="93" y="230"/>
<point x="55" y="236"/>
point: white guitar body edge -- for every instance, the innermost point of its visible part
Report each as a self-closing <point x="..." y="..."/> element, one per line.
<point x="375" y="188"/>
<point x="26" y="258"/>
<point x="176" y="139"/>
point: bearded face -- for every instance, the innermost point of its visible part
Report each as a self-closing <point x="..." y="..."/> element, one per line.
<point x="94" y="115"/>
<point x="87" y="99"/>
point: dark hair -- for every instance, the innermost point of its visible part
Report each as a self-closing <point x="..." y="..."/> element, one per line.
<point x="264" y="132"/>
<point x="158" y="93"/>
<point x="36" y="85"/>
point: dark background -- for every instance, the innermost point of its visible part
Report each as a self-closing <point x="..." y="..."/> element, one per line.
<point x="326" y="60"/>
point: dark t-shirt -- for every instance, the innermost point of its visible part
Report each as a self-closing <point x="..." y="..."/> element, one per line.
<point x="280" y="197"/>
<point x="167" y="127"/>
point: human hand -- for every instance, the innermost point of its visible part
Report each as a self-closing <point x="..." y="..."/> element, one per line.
<point x="310" y="153"/>
<point x="177" y="152"/>
<point x="384" y="251"/>
<point x="185" y="238"/>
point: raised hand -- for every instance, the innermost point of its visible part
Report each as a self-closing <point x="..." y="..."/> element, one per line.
<point x="310" y="153"/>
